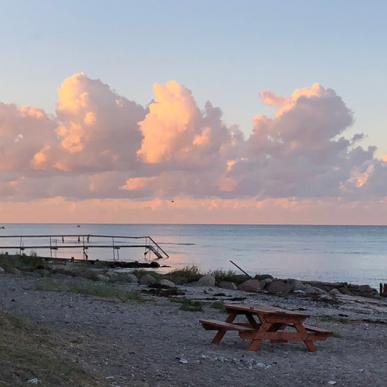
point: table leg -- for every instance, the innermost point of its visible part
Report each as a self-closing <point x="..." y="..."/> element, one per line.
<point x="305" y="336"/>
<point x="221" y="332"/>
<point x="252" y="320"/>
<point x="260" y="335"/>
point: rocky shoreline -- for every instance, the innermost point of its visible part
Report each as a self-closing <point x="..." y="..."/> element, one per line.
<point x="141" y="328"/>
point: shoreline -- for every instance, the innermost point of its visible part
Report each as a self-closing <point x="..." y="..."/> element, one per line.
<point x="132" y="332"/>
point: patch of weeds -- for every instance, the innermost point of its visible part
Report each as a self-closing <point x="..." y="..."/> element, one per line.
<point x="22" y="262"/>
<point x="188" y="305"/>
<point x="183" y="276"/>
<point x="218" y="305"/>
<point x="229" y="276"/>
<point x="91" y="289"/>
<point x="27" y="352"/>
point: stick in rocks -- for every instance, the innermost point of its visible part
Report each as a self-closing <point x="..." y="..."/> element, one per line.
<point x="248" y="275"/>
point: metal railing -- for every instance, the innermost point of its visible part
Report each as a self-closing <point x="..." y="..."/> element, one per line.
<point x="55" y="242"/>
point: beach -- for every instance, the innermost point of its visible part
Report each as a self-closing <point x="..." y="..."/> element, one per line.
<point x="149" y="340"/>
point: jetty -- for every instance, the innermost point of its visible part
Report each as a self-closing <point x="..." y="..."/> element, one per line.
<point x="82" y="243"/>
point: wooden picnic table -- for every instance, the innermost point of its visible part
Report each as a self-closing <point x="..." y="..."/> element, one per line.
<point x="266" y="323"/>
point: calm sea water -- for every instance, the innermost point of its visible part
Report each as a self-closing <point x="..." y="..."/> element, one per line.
<point x="356" y="254"/>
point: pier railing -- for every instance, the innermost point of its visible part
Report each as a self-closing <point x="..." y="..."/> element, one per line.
<point x="55" y="242"/>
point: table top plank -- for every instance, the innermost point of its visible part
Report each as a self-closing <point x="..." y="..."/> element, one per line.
<point x="263" y="309"/>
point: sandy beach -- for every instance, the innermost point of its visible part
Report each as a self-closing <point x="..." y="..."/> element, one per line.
<point x="151" y="341"/>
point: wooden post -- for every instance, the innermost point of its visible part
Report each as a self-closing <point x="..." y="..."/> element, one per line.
<point x="384" y="290"/>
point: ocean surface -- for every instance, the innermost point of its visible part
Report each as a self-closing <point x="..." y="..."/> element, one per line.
<point x="357" y="254"/>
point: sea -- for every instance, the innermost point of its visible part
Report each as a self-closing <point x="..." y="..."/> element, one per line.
<point x="355" y="254"/>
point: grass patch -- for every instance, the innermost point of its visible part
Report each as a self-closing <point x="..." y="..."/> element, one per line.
<point x="184" y="276"/>
<point x="22" y="262"/>
<point x="28" y="352"/>
<point x="91" y="289"/>
<point x="188" y="305"/>
<point x="230" y="276"/>
<point x="218" y="305"/>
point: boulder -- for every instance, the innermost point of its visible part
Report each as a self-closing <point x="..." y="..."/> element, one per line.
<point x="2" y="270"/>
<point x="298" y="285"/>
<point x="102" y="277"/>
<point x="227" y="285"/>
<point x="121" y="276"/>
<point x="251" y="285"/>
<point x="335" y="293"/>
<point x="164" y="283"/>
<point x="265" y="282"/>
<point x="280" y="287"/>
<point x="314" y="291"/>
<point x="148" y="279"/>
<point x="206" y="280"/>
<point x="263" y="277"/>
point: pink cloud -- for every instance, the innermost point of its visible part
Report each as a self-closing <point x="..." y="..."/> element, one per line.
<point x="103" y="146"/>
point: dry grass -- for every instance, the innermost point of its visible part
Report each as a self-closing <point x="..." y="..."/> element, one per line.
<point x="102" y="290"/>
<point x="184" y="276"/>
<point x="22" y="262"/>
<point x="28" y="352"/>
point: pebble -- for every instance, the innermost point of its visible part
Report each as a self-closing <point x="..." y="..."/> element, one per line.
<point x="34" y="381"/>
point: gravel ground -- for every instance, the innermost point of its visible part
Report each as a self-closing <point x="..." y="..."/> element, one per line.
<point x="154" y="343"/>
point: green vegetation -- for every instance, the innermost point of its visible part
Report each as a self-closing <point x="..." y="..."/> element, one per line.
<point x="230" y="276"/>
<point x="28" y="352"/>
<point x="185" y="275"/>
<point x="140" y="272"/>
<point x="22" y="262"/>
<point x="218" y="305"/>
<point x="188" y="305"/>
<point x="102" y="290"/>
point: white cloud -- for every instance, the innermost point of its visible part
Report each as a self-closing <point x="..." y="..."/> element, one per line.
<point x="102" y="145"/>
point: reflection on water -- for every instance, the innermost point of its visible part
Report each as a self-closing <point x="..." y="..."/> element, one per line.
<point x="355" y="254"/>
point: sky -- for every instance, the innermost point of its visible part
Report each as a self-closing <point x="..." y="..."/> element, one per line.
<point x="193" y="111"/>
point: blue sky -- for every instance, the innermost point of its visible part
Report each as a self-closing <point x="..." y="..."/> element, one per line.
<point x="224" y="51"/>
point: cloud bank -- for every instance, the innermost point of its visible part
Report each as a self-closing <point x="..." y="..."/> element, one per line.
<point x="100" y="145"/>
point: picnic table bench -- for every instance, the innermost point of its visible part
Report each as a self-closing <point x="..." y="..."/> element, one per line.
<point x="266" y="323"/>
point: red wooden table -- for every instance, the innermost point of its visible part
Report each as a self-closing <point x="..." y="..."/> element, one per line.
<point x="266" y="323"/>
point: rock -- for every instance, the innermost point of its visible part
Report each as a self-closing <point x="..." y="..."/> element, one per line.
<point x="227" y="285"/>
<point x="131" y="278"/>
<point x="263" y="277"/>
<point x="121" y="276"/>
<point x="326" y="298"/>
<point x="251" y="285"/>
<point x="148" y="279"/>
<point x="335" y="293"/>
<point x="102" y="277"/>
<point x="33" y="381"/>
<point x="206" y="280"/>
<point x="298" y="285"/>
<point x="265" y="282"/>
<point x="280" y="287"/>
<point x="2" y="270"/>
<point x="313" y="291"/>
<point x="164" y="283"/>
